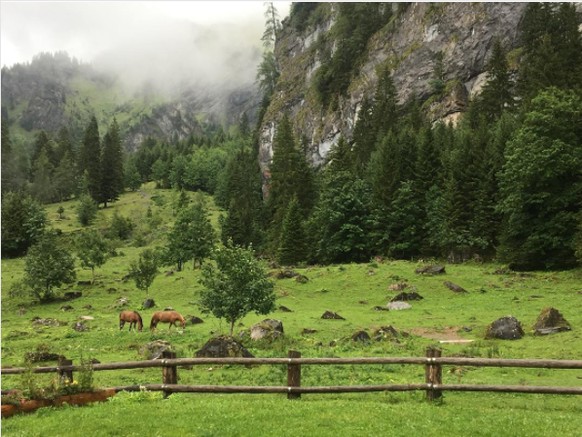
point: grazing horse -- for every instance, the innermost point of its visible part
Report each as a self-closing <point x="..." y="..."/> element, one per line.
<point x="171" y="317"/>
<point x="132" y="317"/>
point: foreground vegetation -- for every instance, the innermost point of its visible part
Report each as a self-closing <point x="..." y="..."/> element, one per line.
<point x="351" y="290"/>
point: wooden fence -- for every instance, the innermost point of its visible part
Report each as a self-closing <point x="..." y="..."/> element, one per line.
<point x="433" y="385"/>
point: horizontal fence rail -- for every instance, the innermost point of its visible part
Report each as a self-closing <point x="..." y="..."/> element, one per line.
<point x="477" y="362"/>
<point x="432" y="362"/>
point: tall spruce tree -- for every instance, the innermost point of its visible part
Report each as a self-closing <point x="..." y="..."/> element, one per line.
<point x="497" y="93"/>
<point x="112" y="182"/>
<point x="290" y="176"/>
<point x="90" y="160"/>
<point x="293" y="244"/>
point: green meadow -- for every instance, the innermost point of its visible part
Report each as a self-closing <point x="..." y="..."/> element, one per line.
<point x="351" y="290"/>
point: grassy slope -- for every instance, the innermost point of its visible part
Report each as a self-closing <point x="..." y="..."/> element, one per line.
<point x="352" y="291"/>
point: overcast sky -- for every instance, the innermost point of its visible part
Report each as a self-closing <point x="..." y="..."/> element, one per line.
<point x="86" y="29"/>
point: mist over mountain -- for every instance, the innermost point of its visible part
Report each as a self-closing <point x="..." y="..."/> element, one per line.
<point x="163" y="78"/>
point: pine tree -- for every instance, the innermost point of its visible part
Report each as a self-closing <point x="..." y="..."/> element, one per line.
<point x="42" y="186"/>
<point x="293" y="245"/>
<point x="111" y="166"/>
<point x="497" y="93"/>
<point x="364" y="138"/>
<point x="290" y="176"/>
<point x="90" y="160"/>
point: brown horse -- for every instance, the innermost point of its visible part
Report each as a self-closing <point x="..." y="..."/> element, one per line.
<point x="132" y="317"/>
<point x="171" y="317"/>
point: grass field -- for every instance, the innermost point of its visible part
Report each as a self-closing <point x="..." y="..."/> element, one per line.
<point x="351" y="290"/>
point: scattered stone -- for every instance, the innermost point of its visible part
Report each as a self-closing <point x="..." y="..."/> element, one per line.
<point x="454" y="287"/>
<point x="39" y="356"/>
<point x="398" y="286"/>
<point x="505" y="328"/>
<point x="302" y="279"/>
<point x="112" y="290"/>
<point x="387" y="333"/>
<point x="67" y="308"/>
<point x="37" y="321"/>
<point x="363" y="302"/>
<point x="399" y="305"/>
<point x="148" y="303"/>
<point x="169" y="273"/>
<point x="80" y="327"/>
<point x="268" y="329"/>
<point x="431" y="270"/>
<point x="286" y="274"/>
<point x="331" y="315"/>
<point x="168" y="309"/>
<point x="86" y="318"/>
<point x="550" y="321"/>
<point x="84" y="283"/>
<point x="371" y="272"/>
<point x="361" y="336"/>
<point x="380" y="308"/>
<point x="69" y="295"/>
<point x="223" y="347"/>
<point x="403" y="297"/>
<point x="307" y="331"/>
<point x="88" y="307"/>
<point x="284" y="309"/>
<point x="193" y="320"/>
<point x="121" y="302"/>
<point x="21" y="311"/>
<point x="154" y="349"/>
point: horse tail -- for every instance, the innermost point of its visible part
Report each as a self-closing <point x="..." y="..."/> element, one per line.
<point x="139" y="321"/>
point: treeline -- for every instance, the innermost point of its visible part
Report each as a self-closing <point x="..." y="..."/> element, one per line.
<point x="504" y="183"/>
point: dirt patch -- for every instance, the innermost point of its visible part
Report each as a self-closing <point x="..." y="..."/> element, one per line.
<point x="445" y="333"/>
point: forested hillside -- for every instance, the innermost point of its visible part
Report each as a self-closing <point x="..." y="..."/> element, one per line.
<point x="396" y="176"/>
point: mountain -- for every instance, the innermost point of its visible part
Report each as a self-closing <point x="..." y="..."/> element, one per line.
<point x="170" y="93"/>
<point x="413" y="40"/>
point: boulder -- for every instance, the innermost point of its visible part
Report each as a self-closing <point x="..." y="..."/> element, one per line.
<point x="268" y="329"/>
<point x="550" y="321"/>
<point x="80" y="326"/>
<point x="380" y="308"/>
<point x="398" y="286"/>
<point x="284" y="309"/>
<point x="37" y="321"/>
<point x="193" y="320"/>
<point x="121" y="302"/>
<point x="69" y="295"/>
<point x="154" y="349"/>
<point x="505" y="328"/>
<point x="386" y="333"/>
<point x="41" y="355"/>
<point x="403" y="297"/>
<point x="431" y="270"/>
<point x="148" y="303"/>
<point x="67" y="308"/>
<point x="398" y="305"/>
<point x="307" y="331"/>
<point x="286" y="274"/>
<point x="302" y="279"/>
<point x="361" y="336"/>
<point x="331" y="315"/>
<point x="454" y="287"/>
<point x="223" y="347"/>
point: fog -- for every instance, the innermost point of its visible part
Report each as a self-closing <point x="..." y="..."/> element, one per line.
<point x="160" y="44"/>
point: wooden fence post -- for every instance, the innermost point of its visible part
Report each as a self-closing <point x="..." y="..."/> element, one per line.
<point x="293" y="375"/>
<point x="65" y="375"/>
<point x="169" y="373"/>
<point x="433" y="374"/>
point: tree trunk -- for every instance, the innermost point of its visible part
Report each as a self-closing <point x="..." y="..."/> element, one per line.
<point x="232" y="327"/>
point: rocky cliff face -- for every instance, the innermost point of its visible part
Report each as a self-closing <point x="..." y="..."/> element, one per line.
<point x="409" y="45"/>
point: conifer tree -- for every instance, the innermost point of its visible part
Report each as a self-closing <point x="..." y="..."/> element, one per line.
<point x="541" y="184"/>
<point x="42" y="186"/>
<point x="290" y="176"/>
<point x="364" y="138"/>
<point x="111" y="166"/>
<point x="293" y="245"/>
<point x="497" y="93"/>
<point x="90" y="160"/>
